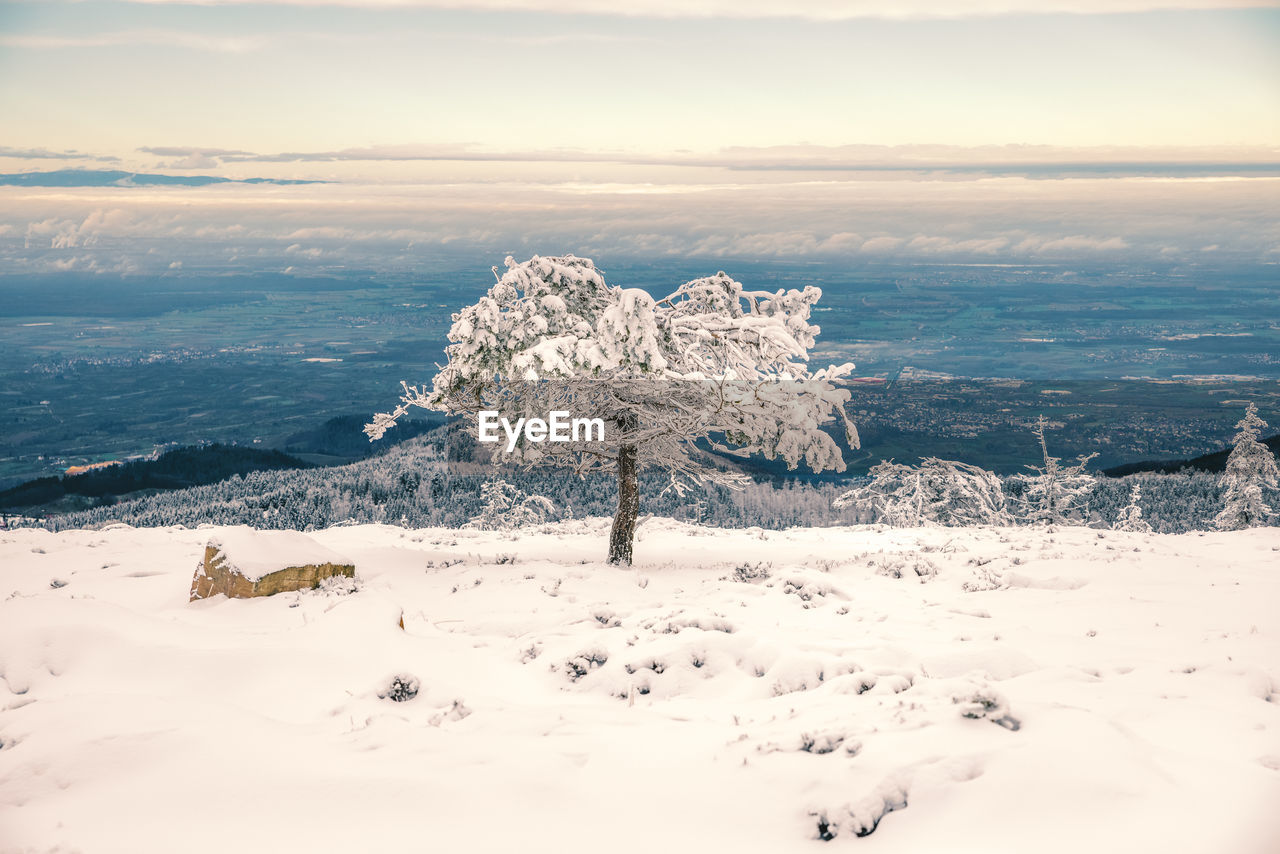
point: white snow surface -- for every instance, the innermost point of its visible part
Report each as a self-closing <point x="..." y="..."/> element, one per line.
<point x="1011" y="690"/>
<point x="255" y="554"/>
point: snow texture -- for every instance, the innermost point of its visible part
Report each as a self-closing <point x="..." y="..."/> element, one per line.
<point x="1037" y="689"/>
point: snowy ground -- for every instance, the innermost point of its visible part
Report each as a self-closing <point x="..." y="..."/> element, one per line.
<point x="736" y="691"/>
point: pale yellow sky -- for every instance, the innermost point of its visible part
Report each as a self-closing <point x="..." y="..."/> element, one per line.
<point x="113" y="78"/>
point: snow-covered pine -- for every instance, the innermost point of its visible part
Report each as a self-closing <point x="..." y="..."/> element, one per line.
<point x="1054" y="494"/>
<point x="507" y="507"/>
<point x="1130" y="518"/>
<point x="1251" y="470"/>
<point x="936" y="492"/>
<point x="710" y="361"/>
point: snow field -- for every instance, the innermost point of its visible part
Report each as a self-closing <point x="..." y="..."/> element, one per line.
<point x="1003" y="690"/>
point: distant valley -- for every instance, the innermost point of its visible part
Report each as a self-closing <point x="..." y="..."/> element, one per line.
<point x="1136" y="365"/>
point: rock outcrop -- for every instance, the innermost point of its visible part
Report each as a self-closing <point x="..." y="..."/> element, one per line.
<point x="241" y="563"/>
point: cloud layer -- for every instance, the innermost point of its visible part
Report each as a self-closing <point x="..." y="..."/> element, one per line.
<point x="337" y="228"/>
<point x="820" y="10"/>
<point x="1036" y="161"/>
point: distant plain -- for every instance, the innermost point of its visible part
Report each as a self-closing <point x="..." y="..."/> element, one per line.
<point x="1142" y="362"/>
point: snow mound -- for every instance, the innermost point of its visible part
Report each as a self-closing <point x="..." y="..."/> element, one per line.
<point x="255" y="554"/>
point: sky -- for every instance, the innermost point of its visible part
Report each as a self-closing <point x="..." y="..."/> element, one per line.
<point x="808" y="126"/>
<point x="114" y="78"/>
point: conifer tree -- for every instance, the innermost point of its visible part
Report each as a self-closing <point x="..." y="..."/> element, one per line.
<point x="1130" y="518"/>
<point x="1251" y="471"/>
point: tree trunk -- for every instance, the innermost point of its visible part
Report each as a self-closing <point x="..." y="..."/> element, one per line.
<point x="624" y="521"/>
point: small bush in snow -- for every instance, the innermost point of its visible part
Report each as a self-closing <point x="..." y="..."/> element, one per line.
<point x="750" y="573"/>
<point x="402" y="688"/>
<point x="606" y="618"/>
<point x="984" y="704"/>
<point x="806" y="590"/>
<point x="584" y="662"/>
<point x="336" y="585"/>
<point x="984" y="578"/>
<point x="821" y="744"/>
<point x="906" y="566"/>
<point x="507" y="507"/>
<point x="826" y="829"/>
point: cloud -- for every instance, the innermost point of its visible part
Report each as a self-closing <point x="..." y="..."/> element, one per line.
<point x="121" y="178"/>
<point x="189" y="151"/>
<point x="299" y="249"/>
<point x="1080" y="243"/>
<point x="1037" y="161"/>
<point x="819" y="162"/>
<point x="136" y="38"/>
<point x="50" y="154"/>
<point x="337" y="227"/>
<point x="193" y="161"/>
<point x="877" y="245"/>
<point x="820" y="10"/>
<point x="406" y="153"/>
<point x="60" y="233"/>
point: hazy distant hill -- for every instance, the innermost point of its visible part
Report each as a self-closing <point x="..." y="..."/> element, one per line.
<point x="1214" y="462"/>
<point x="337" y="441"/>
<point x="119" y="178"/>
<point x="177" y="469"/>
<point x="344" y="437"/>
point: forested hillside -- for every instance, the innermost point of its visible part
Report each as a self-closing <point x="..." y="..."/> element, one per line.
<point x="414" y="484"/>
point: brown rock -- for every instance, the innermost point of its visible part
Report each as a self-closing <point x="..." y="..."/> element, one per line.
<point x="246" y="564"/>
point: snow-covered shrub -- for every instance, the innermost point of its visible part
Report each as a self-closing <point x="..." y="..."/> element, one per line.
<point x="984" y="578"/>
<point x="507" y="507"/>
<point x="985" y="704"/>
<point x="805" y="589"/>
<point x="936" y="492"/>
<point x="821" y="743"/>
<point x="457" y="711"/>
<point x="1054" y="494"/>
<point x="1251" y="472"/>
<point x="905" y="566"/>
<point x="584" y="662"/>
<point x="401" y="688"/>
<point x="751" y="573"/>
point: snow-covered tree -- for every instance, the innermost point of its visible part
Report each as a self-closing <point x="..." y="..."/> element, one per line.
<point x="892" y="496"/>
<point x="507" y="507"/>
<point x="1130" y="518"/>
<point x="936" y="492"/>
<point x="1251" y="469"/>
<point x="1054" y="494"/>
<point x="709" y="361"/>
